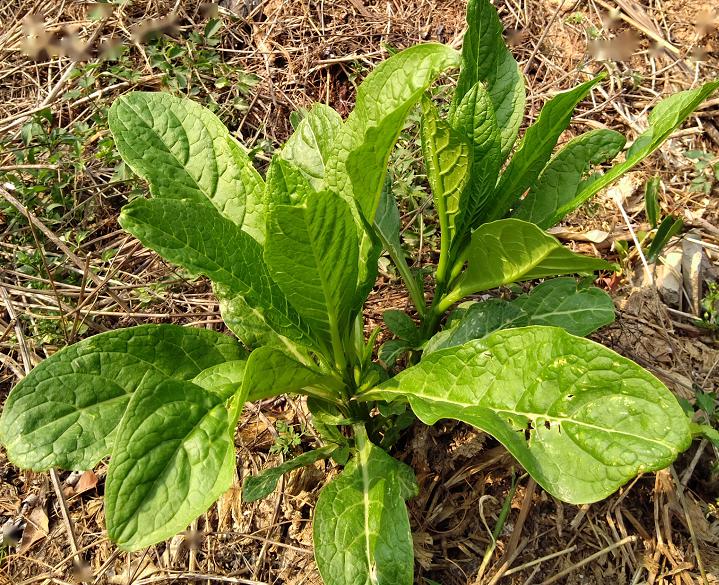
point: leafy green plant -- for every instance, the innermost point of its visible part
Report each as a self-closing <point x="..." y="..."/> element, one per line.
<point x="293" y="256"/>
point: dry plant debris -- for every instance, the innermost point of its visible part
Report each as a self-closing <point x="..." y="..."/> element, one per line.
<point x="68" y="271"/>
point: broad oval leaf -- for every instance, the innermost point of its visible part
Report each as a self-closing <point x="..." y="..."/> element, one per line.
<point x="310" y="147"/>
<point x="510" y="250"/>
<point x="486" y="58"/>
<point x="184" y="151"/>
<point x="536" y="148"/>
<point x="581" y="419"/>
<point x="357" y="167"/>
<point x="204" y="242"/>
<point x="666" y="116"/>
<point x="66" y="411"/>
<point x="361" y="527"/>
<point x="312" y="251"/>
<point x="261" y="485"/>
<point x="562" y="177"/>
<point x="173" y="457"/>
<point x="224" y="379"/>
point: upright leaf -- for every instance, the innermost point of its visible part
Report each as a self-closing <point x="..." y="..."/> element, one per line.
<point x="185" y="152"/>
<point x="312" y="250"/>
<point x="357" y="167"/>
<point x="286" y="184"/>
<point x="66" y="411"/>
<point x="510" y="250"/>
<point x="651" y="200"/>
<point x="536" y="148"/>
<point x="174" y="456"/>
<point x="486" y="58"/>
<point x="448" y="162"/>
<point x="474" y="118"/>
<point x="562" y="177"/>
<point x="581" y="419"/>
<point x="310" y="147"/>
<point x="361" y="527"/>
<point x="204" y="242"/>
<point x="666" y="116"/>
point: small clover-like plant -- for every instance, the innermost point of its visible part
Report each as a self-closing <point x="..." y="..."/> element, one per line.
<point x="293" y="256"/>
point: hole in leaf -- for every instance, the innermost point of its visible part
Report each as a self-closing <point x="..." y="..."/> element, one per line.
<point x="547" y="424"/>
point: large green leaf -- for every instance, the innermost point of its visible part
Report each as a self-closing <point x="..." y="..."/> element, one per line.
<point x="510" y="250"/>
<point x="562" y="177"/>
<point x="223" y="379"/>
<point x="261" y="485"/>
<point x="66" y="411"/>
<point x="173" y="457"/>
<point x="581" y="419"/>
<point x="361" y="151"/>
<point x="486" y="58"/>
<point x="310" y="147"/>
<point x="286" y="184"/>
<point x="536" y="148"/>
<point x="271" y="372"/>
<point x="185" y="152"/>
<point x="361" y="527"/>
<point x="666" y="116"/>
<point x="312" y="250"/>
<point x="474" y="118"/>
<point x="204" y="242"/>
<point x="448" y="163"/>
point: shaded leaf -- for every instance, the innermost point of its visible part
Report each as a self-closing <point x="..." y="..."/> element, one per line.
<point x="474" y="118"/>
<point x="260" y="486"/>
<point x="448" y="163"/>
<point x="312" y="250"/>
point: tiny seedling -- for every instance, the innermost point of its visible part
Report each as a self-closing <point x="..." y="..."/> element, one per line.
<point x="292" y="257"/>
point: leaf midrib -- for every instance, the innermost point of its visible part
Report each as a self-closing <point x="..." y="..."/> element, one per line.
<point x="531" y="415"/>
